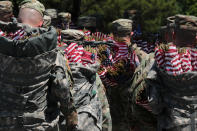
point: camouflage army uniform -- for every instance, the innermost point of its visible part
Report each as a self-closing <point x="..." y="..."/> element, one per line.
<point x="141" y="117"/>
<point x="116" y="93"/>
<point x="123" y="95"/>
<point x="107" y="121"/>
<point x="85" y="93"/>
<point x="53" y="14"/>
<point x="35" y="84"/>
<point x="64" y="20"/>
<point x="99" y="90"/>
<point x="173" y="94"/>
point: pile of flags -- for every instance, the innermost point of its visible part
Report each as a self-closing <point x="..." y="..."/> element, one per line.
<point x="174" y="60"/>
<point x="18" y="35"/>
<point x="77" y="54"/>
<point x="121" y="52"/>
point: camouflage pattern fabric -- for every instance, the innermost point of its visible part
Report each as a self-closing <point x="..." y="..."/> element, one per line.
<point x="186" y="22"/>
<point x="35" y="83"/>
<point x="65" y="16"/>
<point x="65" y="20"/>
<point x="32" y="44"/>
<point x="72" y="34"/>
<point x="87" y="21"/>
<point x="33" y="4"/>
<point x="51" y="12"/>
<point x="122" y="27"/>
<point x="6" y="6"/>
<point x="171" y="21"/>
<point x="142" y="116"/>
<point x="85" y="94"/>
<point x="118" y="100"/>
<point x="118" y="94"/>
<point x="6" y="10"/>
<point x="107" y="121"/>
<point x="47" y="21"/>
<point x="173" y="100"/>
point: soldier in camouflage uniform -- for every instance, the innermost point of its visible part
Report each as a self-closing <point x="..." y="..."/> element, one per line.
<point x="6" y="11"/>
<point x="116" y="92"/>
<point x="53" y="14"/>
<point x="106" y="121"/>
<point x="35" y="80"/>
<point x="172" y="92"/>
<point x="90" y="23"/>
<point x="64" y="20"/>
<point x="85" y="90"/>
<point x="87" y="22"/>
<point x="124" y="81"/>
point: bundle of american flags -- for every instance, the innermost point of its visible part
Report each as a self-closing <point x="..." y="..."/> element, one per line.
<point x="174" y="60"/>
<point x="145" y="46"/>
<point x="99" y="36"/>
<point x="76" y="54"/>
<point x="88" y="36"/>
<point x="113" y="58"/>
<point x="18" y="35"/>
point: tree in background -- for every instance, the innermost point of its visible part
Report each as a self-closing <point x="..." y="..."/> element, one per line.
<point x="106" y="10"/>
<point x="76" y="10"/>
<point x="188" y="7"/>
<point x="152" y="12"/>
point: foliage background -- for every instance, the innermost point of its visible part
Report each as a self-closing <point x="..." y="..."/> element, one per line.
<point x="152" y="12"/>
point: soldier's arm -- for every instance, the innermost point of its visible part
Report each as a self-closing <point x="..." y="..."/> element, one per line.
<point x="61" y="88"/>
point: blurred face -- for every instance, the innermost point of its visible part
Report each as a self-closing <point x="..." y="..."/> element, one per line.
<point x="126" y="38"/>
<point x="185" y="38"/>
<point x="30" y="17"/>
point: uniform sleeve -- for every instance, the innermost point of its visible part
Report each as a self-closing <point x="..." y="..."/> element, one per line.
<point x="61" y="89"/>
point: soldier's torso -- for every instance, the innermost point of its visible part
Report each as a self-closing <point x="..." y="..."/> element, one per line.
<point x="23" y="89"/>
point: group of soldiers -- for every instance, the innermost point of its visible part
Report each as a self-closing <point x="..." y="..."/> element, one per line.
<point x="57" y="76"/>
